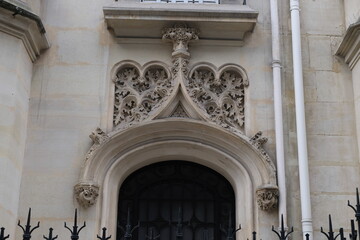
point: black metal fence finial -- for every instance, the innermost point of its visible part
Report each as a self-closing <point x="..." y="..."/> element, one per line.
<point x="103" y="236"/>
<point x="151" y="235"/>
<point x="179" y="228"/>
<point x="230" y="232"/>
<point x="50" y="237"/>
<point x="353" y="234"/>
<point x="27" y="228"/>
<point x="356" y="208"/>
<point x="331" y="234"/>
<point x="341" y="233"/>
<point x="75" y="231"/>
<point x="2" y="234"/>
<point x="128" y="227"/>
<point x="282" y="235"/>
<point x="253" y="236"/>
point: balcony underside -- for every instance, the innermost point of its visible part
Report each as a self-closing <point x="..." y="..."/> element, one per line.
<point x="147" y="20"/>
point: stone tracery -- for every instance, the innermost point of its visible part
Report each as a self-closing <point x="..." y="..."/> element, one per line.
<point x="138" y="93"/>
<point x="220" y="94"/>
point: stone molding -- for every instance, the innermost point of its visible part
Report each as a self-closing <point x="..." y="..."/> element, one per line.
<point x="267" y="197"/>
<point x="25" y="29"/>
<point x="349" y="48"/>
<point x="86" y="193"/>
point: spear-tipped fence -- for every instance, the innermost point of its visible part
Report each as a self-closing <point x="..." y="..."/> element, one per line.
<point x="229" y="233"/>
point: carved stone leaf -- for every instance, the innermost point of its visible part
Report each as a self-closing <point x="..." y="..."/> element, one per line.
<point x="221" y="98"/>
<point x="137" y="93"/>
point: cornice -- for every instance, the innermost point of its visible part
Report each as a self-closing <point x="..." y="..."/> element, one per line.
<point x="349" y="48"/>
<point x="25" y="25"/>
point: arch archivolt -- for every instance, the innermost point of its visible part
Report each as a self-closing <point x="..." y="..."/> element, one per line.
<point x="119" y="153"/>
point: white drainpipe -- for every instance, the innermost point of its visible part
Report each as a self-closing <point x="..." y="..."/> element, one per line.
<point x="279" y="133"/>
<point x="300" y="121"/>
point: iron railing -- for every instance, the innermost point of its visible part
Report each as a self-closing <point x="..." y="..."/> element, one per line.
<point x="228" y="232"/>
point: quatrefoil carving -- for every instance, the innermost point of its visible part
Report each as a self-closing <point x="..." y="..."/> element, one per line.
<point x="139" y="91"/>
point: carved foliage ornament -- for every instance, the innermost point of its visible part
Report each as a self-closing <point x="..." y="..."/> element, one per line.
<point x="138" y="93"/>
<point x="86" y="194"/>
<point x="180" y="35"/>
<point x="98" y="136"/>
<point x="267" y="197"/>
<point x="221" y="96"/>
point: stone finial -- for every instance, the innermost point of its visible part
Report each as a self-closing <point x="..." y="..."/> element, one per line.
<point x="180" y="35"/>
<point x="98" y="136"/>
<point x="267" y="197"/>
<point x="86" y="194"/>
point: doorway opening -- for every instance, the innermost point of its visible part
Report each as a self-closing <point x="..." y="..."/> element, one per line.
<point x="176" y="200"/>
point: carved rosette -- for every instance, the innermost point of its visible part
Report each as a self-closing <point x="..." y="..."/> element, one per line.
<point x="267" y="197"/>
<point x="138" y="93"/>
<point x="220" y="96"/>
<point x="86" y="194"/>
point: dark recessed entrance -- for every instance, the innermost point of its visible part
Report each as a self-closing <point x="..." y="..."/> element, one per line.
<point x="176" y="200"/>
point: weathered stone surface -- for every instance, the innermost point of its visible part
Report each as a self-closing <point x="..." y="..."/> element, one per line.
<point x="15" y="77"/>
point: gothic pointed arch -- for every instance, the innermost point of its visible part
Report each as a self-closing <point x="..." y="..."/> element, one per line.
<point x="116" y="155"/>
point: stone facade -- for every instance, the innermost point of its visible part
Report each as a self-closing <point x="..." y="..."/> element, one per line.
<point x="210" y="88"/>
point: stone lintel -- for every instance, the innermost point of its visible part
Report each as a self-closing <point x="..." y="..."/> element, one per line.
<point x="147" y="20"/>
<point x="349" y="48"/>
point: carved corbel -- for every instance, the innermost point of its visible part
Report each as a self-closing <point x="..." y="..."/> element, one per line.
<point x="267" y="197"/>
<point x="180" y="35"/>
<point x="86" y="193"/>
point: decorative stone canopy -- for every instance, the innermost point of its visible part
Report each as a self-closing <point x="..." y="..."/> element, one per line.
<point x="147" y="20"/>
